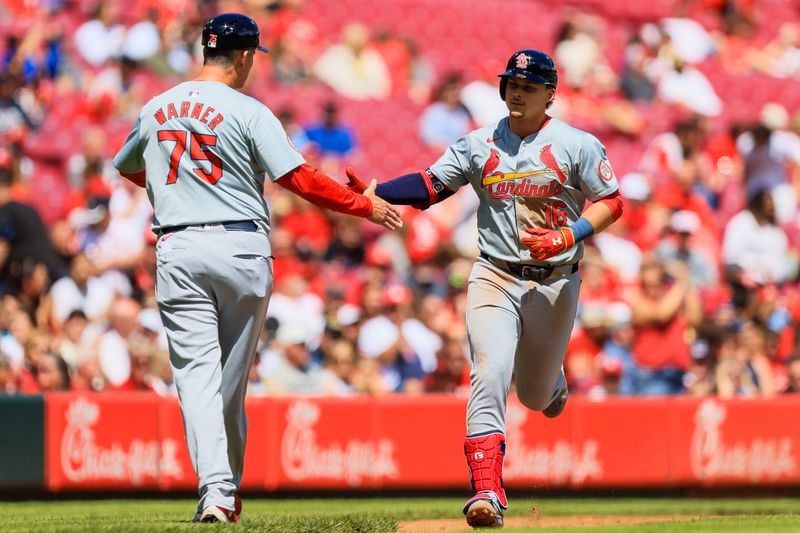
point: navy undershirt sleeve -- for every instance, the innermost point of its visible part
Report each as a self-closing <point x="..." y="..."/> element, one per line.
<point x="408" y="189"/>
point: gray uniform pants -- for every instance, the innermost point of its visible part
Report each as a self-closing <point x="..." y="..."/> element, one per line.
<point x="520" y="327"/>
<point x="212" y="289"/>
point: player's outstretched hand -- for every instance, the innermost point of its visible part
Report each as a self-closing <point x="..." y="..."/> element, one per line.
<point x="382" y="212"/>
<point x="546" y="243"/>
<point x="353" y="181"/>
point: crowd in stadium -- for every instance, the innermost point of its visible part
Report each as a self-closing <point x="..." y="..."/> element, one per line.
<point x="694" y="291"/>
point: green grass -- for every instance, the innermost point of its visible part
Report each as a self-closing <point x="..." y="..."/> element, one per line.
<point x="379" y="515"/>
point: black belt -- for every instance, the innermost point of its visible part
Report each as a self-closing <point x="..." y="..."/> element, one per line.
<point x="532" y="272"/>
<point x="239" y="225"/>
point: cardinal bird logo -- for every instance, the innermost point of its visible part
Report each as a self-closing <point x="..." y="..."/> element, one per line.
<point x="491" y="165"/>
<point x="550" y="162"/>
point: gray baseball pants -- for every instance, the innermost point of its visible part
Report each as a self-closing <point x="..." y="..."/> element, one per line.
<point x="519" y="327"/>
<point x="212" y="288"/>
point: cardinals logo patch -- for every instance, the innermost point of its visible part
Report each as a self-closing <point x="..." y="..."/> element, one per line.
<point x="522" y="60"/>
<point x="550" y="162"/>
<point x="605" y="171"/>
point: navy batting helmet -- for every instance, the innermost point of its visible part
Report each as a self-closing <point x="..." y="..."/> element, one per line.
<point x="232" y="31"/>
<point x="531" y="65"/>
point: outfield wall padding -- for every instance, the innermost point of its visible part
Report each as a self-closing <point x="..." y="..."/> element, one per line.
<point x="135" y="441"/>
<point x="21" y="441"/>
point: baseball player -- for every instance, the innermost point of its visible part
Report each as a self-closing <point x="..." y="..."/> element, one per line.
<point x="202" y="150"/>
<point x="533" y="174"/>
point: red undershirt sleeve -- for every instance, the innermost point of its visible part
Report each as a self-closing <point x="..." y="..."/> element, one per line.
<point x="614" y="203"/>
<point x="323" y="191"/>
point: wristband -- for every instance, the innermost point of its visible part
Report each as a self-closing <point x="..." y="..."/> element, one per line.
<point x="582" y="229"/>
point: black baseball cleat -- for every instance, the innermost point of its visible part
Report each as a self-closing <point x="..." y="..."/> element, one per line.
<point x="556" y="407"/>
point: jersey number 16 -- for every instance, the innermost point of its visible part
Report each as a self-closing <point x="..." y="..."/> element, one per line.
<point x="198" y="151"/>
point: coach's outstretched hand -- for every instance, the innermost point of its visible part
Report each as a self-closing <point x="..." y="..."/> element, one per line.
<point x="382" y="213"/>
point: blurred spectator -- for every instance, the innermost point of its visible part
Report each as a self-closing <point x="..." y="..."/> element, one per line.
<point x="14" y="119"/>
<point x="73" y="343"/>
<point x="399" y="368"/>
<point x="617" y="369"/>
<point x="743" y="369"/>
<point x="579" y="54"/>
<point x="37" y="346"/>
<point x="643" y="220"/>
<point x="115" y="359"/>
<point x="34" y="283"/>
<point x="17" y="328"/>
<point x="664" y="309"/>
<point x="763" y="169"/>
<point x="91" y="162"/>
<point x="353" y="68"/>
<point x="141" y="357"/>
<point x="755" y="249"/>
<point x="26" y="234"/>
<point x="36" y="54"/>
<point x="339" y="367"/>
<point x="82" y="291"/>
<point x="781" y="56"/>
<point x="445" y="120"/>
<point x="100" y="38"/>
<point x="793" y="373"/>
<point x="635" y="83"/>
<point x="52" y="373"/>
<point x="7" y="381"/>
<point x="396" y="55"/>
<point x="700" y="379"/>
<point x="667" y="151"/>
<point x="584" y="348"/>
<point x="685" y="86"/>
<point x="688" y="39"/>
<point x="294" y="372"/>
<point x="685" y="192"/>
<point x="294" y="40"/>
<point x="142" y="40"/>
<point x="619" y="252"/>
<point x="772" y="159"/>
<point x="329" y="135"/>
<point x="297" y="135"/>
<point x="116" y="91"/>
<point x="679" y="246"/>
<point x="481" y="97"/>
<point x="452" y="372"/>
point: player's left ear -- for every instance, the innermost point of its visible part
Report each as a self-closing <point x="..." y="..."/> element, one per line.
<point x="551" y="96"/>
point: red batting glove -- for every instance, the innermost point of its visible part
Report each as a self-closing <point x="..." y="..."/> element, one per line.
<point x="547" y="243"/>
<point x="354" y="182"/>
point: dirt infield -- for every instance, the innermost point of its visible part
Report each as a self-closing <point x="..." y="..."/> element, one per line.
<point x="447" y="525"/>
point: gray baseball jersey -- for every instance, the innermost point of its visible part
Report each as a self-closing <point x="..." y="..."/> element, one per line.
<point x="541" y="181"/>
<point x="207" y="148"/>
<point x="515" y="325"/>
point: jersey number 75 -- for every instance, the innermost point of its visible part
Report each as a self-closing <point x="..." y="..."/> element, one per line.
<point x="198" y="151"/>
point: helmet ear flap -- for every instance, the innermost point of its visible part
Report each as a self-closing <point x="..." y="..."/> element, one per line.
<point x="503" y="83"/>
